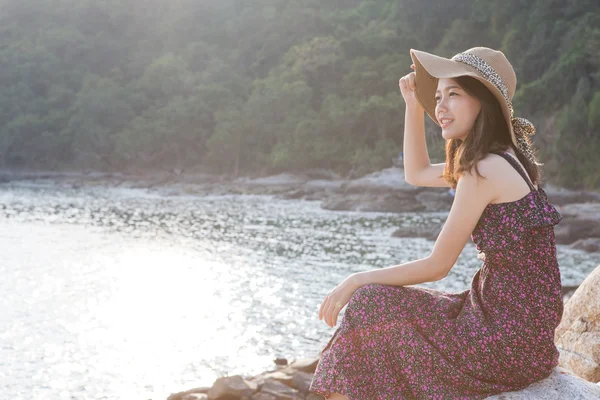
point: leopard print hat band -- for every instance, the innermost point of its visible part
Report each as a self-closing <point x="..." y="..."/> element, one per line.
<point x="485" y="64"/>
<point x="521" y="126"/>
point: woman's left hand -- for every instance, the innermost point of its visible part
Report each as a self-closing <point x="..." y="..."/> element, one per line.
<point x="337" y="299"/>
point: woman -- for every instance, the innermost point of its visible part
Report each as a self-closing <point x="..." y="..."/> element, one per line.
<point x="398" y="341"/>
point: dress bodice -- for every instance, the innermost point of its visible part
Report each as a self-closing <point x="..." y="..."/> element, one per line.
<point x="503" y="225"/>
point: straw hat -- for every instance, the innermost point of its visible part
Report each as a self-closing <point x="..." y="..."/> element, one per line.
<point x="490" y="67"/>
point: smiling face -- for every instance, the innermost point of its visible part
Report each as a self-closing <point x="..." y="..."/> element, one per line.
<point x="455" y="109"/>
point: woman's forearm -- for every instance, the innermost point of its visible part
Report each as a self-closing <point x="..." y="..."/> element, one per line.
<point x="415" y="155"/>
<point x="410" y="273"/>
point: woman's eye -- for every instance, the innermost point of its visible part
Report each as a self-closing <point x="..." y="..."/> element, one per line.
<point x="437" y="98"/>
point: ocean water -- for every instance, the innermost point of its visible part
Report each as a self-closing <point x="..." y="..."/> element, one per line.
<point x="114" y="293"/>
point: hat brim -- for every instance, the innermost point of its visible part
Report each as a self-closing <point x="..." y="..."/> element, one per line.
<point x="429" y="68"/>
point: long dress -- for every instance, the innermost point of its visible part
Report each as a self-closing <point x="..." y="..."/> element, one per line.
<point x="410" y="342"/>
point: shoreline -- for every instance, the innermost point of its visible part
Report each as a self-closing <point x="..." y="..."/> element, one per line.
<point x="381" y="191"/>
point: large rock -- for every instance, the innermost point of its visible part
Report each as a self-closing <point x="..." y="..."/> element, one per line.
<point x="435" y="200"/>
<point x="572" y="229"/>
<point x="386" y="180"/>
<point x="275" y="385"/>
<point x="430" y="232"/>
<point x="591" y="245"/>
<point x="561" y="196"/>
<point x="231" y="387"/>
<point x="560" y="385"/>
<point x="578" y="335"/>
<point x="397" y="202"/>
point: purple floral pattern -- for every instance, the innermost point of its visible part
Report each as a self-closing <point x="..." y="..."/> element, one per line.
<point x="413" y="342"/>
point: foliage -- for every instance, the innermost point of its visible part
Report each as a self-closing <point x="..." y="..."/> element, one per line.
<point x="276" y="85"/>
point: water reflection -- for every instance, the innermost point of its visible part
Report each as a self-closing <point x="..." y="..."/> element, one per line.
<point x="118" y="292"/>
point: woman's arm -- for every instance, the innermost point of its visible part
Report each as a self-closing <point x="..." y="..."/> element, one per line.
<point x="471" y="198"/>
<point x="418" y="170"/>
<point x="415" y="155"/>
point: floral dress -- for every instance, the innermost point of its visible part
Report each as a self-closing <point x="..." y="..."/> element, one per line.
<point x="410" y="342"/>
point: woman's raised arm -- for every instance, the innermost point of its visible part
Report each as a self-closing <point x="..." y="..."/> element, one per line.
<point x="418" y="170"/>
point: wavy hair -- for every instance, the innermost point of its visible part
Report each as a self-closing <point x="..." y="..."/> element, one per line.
<point x="489" y="133"/>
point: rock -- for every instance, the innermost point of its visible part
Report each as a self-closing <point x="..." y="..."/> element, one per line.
<point x="319" y="184"/>
<point x="230" y="386"/>
<point x="435" y="201"/>
<point x="196" y="391"/>
<point x="296" y="194"/>
<point x="281" y="361"/>
<point x="386" y="180"/>
<point x="567" y="291"/>
<point x="561" y="196"/>
<point x="591" y="245"/>
<point x="397" y="202"/>
<point x="560" y="385"/>
<point x="320" y="173"/>
<point x="578" y="335"/>
<point x="582" y="210"/>
<point x="265" y="396"/>
<point x="305" y="365"/>
<point x="280" y="376"/>
<point x="279" y="390"/>
<point x="301" y="381"/>
<point x="195" y="396"/>
<point x="572" y="229"/>
<point x="283" y="179"/>
<point x="430" y="232"/>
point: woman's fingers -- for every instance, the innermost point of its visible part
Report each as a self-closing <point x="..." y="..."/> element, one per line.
<point x="323" y="308"/>
<point x="326" y="310"/>
<point x="329" y="309"/>
<point x="336" y="312"/>
<point x="332" y="313"/>
<point x="408" y="82"/>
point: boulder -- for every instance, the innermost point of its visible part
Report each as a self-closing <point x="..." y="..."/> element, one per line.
<point x="230" y="387"/>
<point x="186" y="395"/>
<point x="430" y="232"/>
<point x="305" y="364"/>
<point x="591" y="245"/>
<point x="560" y="196"/>
<point x="572" y="229"/>
<point x="275" y="390"/>
<point x="397" y="202"/>
<point x="195" y="396"/>
<point x="560" y="385"/>
<point x="578" y="335"/>
<point x="435" y="200"/>
<point x="386" y="180"/>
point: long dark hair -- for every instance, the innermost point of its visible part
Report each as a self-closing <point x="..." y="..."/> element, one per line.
<point x="489" y="133"/>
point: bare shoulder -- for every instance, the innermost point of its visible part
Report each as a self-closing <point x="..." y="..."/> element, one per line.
<point x="489" y="167"/>
<point x="491" y="173"/>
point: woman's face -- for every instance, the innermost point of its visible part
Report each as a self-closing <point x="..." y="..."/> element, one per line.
<point x="455" y="109"/>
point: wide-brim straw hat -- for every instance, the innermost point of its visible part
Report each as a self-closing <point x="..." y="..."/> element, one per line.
<point x="488" y="66"/>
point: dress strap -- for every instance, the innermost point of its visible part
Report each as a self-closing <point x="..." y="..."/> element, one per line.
<point x="517" y="166"/>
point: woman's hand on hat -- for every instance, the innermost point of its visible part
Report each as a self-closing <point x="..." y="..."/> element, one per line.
<point x="408" y="85"/>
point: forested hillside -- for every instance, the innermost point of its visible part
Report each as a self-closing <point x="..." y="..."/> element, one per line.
<point x="265" y="86"/>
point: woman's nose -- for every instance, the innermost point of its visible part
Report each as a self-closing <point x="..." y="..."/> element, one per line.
<point x="441" y="106"/>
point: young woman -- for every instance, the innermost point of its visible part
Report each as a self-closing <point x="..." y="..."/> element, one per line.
<point x="398" y="341"/>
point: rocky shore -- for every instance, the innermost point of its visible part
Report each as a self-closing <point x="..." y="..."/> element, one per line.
<point x="576" y="377"/>
<point x="291" y="382"/>
<point x="381" y="191"/>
